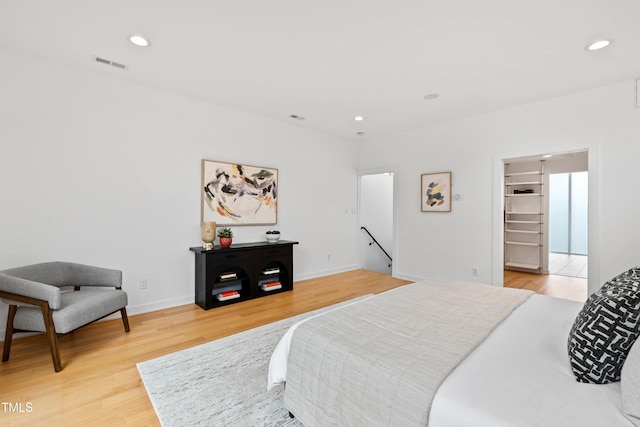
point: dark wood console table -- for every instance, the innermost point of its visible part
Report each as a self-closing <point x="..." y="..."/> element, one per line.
<point x="242" y="271"/>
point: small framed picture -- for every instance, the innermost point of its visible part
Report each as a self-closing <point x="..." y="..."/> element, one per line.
<point x="435" y="189"/>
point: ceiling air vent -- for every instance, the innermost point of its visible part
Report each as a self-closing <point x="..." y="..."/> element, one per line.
<point x="112" y="63"/>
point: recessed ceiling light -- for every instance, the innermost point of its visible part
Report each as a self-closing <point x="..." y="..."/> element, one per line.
<point x="139" y="40"/>
<point x="546" y="156"/>
<point x="358" y="118"/>
<point x="598" y="44"/>
<point x="431" y="96"/>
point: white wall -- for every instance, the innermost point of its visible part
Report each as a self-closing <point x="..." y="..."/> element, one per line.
<point x="99" y="171"/>
<point x="602" y="121"/>
<point x="376" y="214"/>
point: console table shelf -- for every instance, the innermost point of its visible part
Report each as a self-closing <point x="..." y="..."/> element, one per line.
<point x="242" y="271"/>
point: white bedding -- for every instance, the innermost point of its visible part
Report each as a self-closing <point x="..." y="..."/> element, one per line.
<point x="278" y="364"/>
<point x="520" y="376"/>
<point x="380" y="361"/>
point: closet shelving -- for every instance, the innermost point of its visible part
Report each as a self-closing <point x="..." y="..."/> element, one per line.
<point x="523" y="216"/>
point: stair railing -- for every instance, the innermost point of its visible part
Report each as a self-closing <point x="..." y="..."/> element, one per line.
<point x="377" y="243"/>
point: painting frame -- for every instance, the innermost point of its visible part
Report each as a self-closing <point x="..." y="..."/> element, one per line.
<point x="440" y="200"/>
<point x="233" y="194"/>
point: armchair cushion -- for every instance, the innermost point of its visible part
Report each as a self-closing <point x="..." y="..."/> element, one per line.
<point x="78" y="309"/>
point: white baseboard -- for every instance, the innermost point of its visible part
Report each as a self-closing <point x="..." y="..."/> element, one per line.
<point x="323" y="273"/>
<point x="351" y="268"/>
<point x="132" y="310"/>
<point x="408" y="277"/>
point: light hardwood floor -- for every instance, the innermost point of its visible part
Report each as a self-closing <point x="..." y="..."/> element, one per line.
<point x="100" y="385"/>
<point x="573" y="288"/>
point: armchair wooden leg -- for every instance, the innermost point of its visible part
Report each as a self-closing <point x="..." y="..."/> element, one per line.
<point x="125" y="319"/>
<point x="51" y="337"/>
<point x="8" y="335"/>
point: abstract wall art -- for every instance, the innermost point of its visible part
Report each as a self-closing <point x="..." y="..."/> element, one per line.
<point x="237" y="194"/>
<point x="435" y="191"/>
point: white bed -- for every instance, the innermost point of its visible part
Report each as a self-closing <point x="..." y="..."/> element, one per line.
<point x="518" y="376"/>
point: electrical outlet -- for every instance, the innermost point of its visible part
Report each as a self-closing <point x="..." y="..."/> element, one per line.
<point x="142" y="283"/>
<point x="328" y="257"/>
<point x="474" y="271"/>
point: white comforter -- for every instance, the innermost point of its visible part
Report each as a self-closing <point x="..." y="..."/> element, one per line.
<point x="380" y="361"/>
<point x="519" y="376"/>
<point x="278" y="364"/>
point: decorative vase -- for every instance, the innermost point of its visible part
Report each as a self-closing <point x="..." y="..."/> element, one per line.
<point x="208" y="234"/>
<point x="225" y="242"/>
<point x="271" y="238"/>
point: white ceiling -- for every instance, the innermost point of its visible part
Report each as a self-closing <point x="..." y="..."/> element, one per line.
<point x="331" y="60"/>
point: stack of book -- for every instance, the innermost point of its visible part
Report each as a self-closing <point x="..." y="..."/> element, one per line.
<point x="270" y="286"/>
<point x="228" y="286"/>
<point x="228" y="276"/>
<point x="272" y="270"/>
<point x="224" y="296"/>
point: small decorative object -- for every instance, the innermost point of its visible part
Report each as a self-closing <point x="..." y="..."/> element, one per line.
<point x="435" y="192"/>
<point x="208" y="234"/>
<point x="273" y="236"/>
<point x="238" y="194"/>
<point x="225" y="235"/>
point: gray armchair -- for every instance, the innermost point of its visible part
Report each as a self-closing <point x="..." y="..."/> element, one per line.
<point x="40" y="299"/>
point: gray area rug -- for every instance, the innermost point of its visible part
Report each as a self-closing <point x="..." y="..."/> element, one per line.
<point x="222" y="382"/>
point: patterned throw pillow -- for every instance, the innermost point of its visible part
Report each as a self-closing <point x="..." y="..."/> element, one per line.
<point x="605" y="329"/>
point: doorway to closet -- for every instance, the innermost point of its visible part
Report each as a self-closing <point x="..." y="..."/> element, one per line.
<point x="562" y="252"/>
